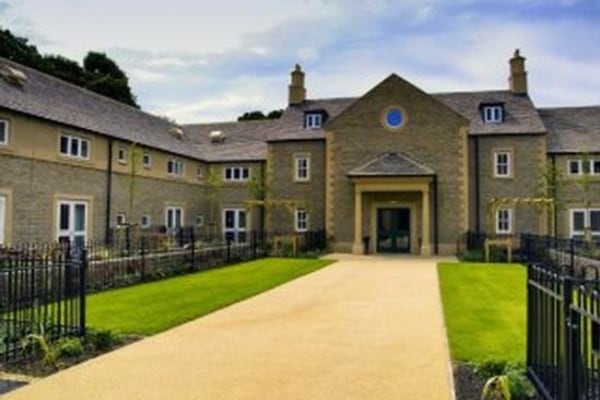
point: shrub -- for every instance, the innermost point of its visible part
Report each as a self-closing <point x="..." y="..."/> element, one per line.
<point x="489" y="368"/>
<point x="102" y="340"/>
<point x="68" y="347"/>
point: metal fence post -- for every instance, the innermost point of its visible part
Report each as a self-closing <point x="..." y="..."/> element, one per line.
<point x="572" y="251"/>
<point x="570" y="329"/>
<point x="143" y="261"/>
<point x="193" y="238"/>
<point x="228" y="251"/>
<point x="83" y="292"/>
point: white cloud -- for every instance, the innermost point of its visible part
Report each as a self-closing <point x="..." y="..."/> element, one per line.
<point x="143" y="75"/>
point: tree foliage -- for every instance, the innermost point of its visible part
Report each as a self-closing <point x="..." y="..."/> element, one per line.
<point x="99" y="73"/>
<point x="259" y="115"/>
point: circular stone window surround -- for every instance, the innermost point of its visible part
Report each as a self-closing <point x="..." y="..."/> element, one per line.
<point x="393" y="117"/>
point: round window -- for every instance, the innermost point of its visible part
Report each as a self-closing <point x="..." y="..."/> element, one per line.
<point x="393" y="117"/>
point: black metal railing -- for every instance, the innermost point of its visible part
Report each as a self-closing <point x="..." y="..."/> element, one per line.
<point x="563" y="332"/>
<point x="42" y="292"/>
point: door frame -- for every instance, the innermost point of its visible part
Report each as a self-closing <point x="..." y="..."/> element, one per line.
<point x="236" y="222"/>
<point x="396" y="216"/>
<point x="413" y="245"/>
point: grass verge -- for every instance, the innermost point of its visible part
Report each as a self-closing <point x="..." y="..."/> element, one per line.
<point x="484" y="309"/>
<point x="154" y="307"/>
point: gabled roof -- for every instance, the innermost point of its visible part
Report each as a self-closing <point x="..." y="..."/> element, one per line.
<point x="520" y="115"/>
<point x="50" y="98"/>
<point x="392" y="164"/>
<point x="572" y="129"/>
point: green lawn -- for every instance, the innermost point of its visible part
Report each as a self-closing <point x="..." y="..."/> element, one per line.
<point x="154" y="307"/>
<point x="484" y="308"/>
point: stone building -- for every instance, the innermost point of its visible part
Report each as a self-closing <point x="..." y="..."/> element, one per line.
<point x="408" y="170"/>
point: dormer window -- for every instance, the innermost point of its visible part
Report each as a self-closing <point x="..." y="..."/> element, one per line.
<point x="493" y="114"/>
<point x="313" y="120"/>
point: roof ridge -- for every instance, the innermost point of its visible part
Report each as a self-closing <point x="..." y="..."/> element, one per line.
<point x="256" y="121"/>
<point x="88" y="92"/>
<point x="568" y="108"/>
<point x="471" y="92"/>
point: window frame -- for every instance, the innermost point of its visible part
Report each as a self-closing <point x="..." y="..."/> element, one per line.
<point x="71" y="232"/>
<point x="587" y="220"/>
<point x="145" y="224"/>
<point x="174" y="210"/>
<point x="509" y="163"/>
<point x="5" y="132"/>
<point x="579" y="164"/>
<point x="199" y="220"/>
<point x="509" y="230"/>
<point x="313" y="120"/>
<point x="236" y="233"/>
<point x="122" y="155"/>
<point x="147" y="156"/>
<point x="200" y="172"/>
<point x="493" y="114"/>
<point x="178" y="169"/>
<point x="79" y="140"/>
<point x="120" y="218"/>
<point x="230" y="173"/>
<point x="296" y="159"/>
<point x="298" y="220"/>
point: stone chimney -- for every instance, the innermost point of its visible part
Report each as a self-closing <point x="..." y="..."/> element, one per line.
<point x="518" y="76"/>
<point x="296" y="90"/>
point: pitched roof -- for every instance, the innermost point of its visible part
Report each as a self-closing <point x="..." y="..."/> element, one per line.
<point x="47" y="97"/>
<point x="392" y="164"/>
<point x="520" y="115"/>
<point x="572" y="129"/>
<point x="292" y="121"/>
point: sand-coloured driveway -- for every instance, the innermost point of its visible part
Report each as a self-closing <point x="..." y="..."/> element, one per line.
<point x="363" y="328"/>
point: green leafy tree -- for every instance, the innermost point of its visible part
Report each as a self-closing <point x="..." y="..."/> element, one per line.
<point x="259" y="115"/>
<point x="18" y="49"/>
<point x="63" y="68"/>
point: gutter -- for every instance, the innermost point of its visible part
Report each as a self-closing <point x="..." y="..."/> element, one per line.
<point x="477" y="193"/>
<point x="109" y="173"/>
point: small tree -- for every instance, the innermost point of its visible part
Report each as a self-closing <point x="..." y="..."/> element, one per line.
<point x="214" y="184"/>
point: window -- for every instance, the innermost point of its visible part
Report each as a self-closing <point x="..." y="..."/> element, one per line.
<point x="575" y="167"/>
<point x="199" y="219"/>
<point x="147" y="160"/>
<point x="3" y="132"/>
<point x="2" y="218"/>
<point x="301" y="220"/>
<point x="174" y="218"/>
<point x="502" y="164"/>
<point x="175" y="167"/>
<point x="581" y="219"/>
<point x="504" y="221"/>
<point x="121" y="219"/>
<point x="393" y="117"/>
<point x="122" y="155"/>
<point x="583" y="167"/>
<point x="146" y="221"/>
<point x="493" y="114"/>
<point x="76" y="147"/>
<point x="234" y="225"/>
<point x="301" y="167"/>
<point x="200" y="172"/>
<point x="72" y="222"/>
<point x="236" y="174"/>
<point x="313" y="120"/>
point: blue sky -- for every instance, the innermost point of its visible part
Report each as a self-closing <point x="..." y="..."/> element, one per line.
<point x="198" y="61"/>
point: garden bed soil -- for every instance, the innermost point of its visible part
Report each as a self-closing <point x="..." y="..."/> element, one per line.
<point x="467" y="384"/>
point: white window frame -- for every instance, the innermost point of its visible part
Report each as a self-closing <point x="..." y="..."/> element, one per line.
<point x="498" y="164"/>
<point x="174" y="210"/>
<point x="592" y="164"/>
<point x="71" y="232"/>
<point x="313" y="120"/>
<point x="4" y="131"/>
<point x="301" y="219"/>
<point x="493" y="114"/>
<point x="3" y="205"/>
<point x="175" y="167"/>
<point x="298" y="168"/>
<point x="120" y="218"/>
<point x="146" y="221"/>
<point x="587" y="220"/>
<point x="236" y="232"/>
<point x="200" y="172"/>
<point x="229" y="174"/>
<point x="147" y="156"/>
<point x="579" y="164"/>
<point x="74" y="139"/>
<point x="122" y="155"/>
<point x="509" y="221"/>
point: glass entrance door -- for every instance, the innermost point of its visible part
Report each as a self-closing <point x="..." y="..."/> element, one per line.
<point x="393" y="230"/>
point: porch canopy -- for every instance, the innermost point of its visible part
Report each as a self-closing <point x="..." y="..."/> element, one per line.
<point x="392" y="172"/>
